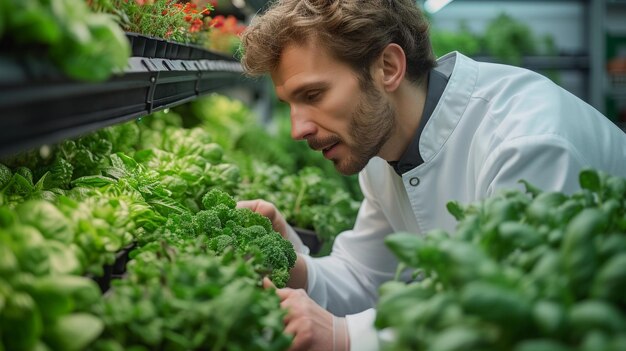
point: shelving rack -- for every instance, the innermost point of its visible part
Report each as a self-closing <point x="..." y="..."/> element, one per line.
<point x="39" y="105"/>
<point x="605" y="16"/>
<point x="584" y="55"/>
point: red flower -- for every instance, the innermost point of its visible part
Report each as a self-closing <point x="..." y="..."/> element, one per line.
<point x="217" y="21"/>
<point x="196" y="25"/>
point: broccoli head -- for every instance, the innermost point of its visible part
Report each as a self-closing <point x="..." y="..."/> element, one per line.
<point x="280" y="277"/>
<point x="182" y="225"/>
<point x="216" y="197"/>
<point x="246" y="235"/>
<point x="248" y="218"/>
<point x="221" y="242"/>
<point x="207" y="222"/>
<point x="278" y="254"/>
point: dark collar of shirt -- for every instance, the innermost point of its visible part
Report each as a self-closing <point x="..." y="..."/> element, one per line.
<point x="411" y="157"/>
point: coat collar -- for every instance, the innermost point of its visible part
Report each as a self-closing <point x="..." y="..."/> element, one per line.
<point x="463" y="75"/>
<point x="411" y="157"/>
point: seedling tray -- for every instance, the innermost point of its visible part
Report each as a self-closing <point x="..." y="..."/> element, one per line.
<point x="39" y="105"/>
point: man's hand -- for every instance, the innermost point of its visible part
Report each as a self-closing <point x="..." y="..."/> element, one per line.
<point x="268" y="210"/>
<point x="313" y="328"/>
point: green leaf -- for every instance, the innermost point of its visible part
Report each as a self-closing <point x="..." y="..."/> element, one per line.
<point x="541" y="345"/>
<point x="20" y="323"/>
<point x="530" y="189"/>
<point x="496" y="303"/>
<point x="73" y="332"/>
<point x="40" y="183"/>
<point x="47" y="218"/>
<point x="62" y="258"/>
<point x="124" y="161"/>
<point x="459" y="338"/>
<point x="61" y="294"/>
<point x="456" y="210"/>
<point x="405" y="246"/>
<point x="549" y="316"/>
<point x="32" y="21"/>
<point x="5" y="173"/>
<point x="8" y="261"/>
<point x="590" y="179"/>
<point x="19" y="185"/>
<point x="596" y="314"/>
<point x="167" y="206"/>
<point x="95" y="181"/>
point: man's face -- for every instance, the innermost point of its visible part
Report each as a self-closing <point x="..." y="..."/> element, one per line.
<point x="330" y="109"/>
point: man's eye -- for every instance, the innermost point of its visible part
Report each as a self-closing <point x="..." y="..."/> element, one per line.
<point x="313" y="96"/>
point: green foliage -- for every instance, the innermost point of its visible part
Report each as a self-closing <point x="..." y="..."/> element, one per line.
<point x="463" y="41"/>
<point x="307" y="198"/>
<point x="278" y="254"/>
<point x="303" y="185"/>
<point x="85" y="45"/>
<point x="157" y="18"/>
<point x="190" y="300"/>
<point x="522" y="271"/>
<point x="508" y="39"/>
<point x="215" y="197"/>
<point x="5" y="175"/>
<point x="505" y="38"/>
<point x="97" y="194"/>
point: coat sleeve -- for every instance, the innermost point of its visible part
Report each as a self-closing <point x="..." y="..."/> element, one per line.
<point x="347" y="281"/>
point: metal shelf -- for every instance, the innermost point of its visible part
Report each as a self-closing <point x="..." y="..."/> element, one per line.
<point x="39" y="105"/>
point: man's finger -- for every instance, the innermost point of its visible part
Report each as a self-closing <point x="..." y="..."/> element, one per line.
<point x="284" y="293"/>
<point x="262" y="207"/>
<point x="267" y="283"/>
<point x="251" y="204"/>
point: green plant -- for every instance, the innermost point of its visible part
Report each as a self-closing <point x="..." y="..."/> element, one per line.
<point x="508" y="39"/>
<point x="303" y="185"/>
<point x="462" y="40"/>
<point x="175" y="20"/>
<point x="541" y="270"/>
<point x="183" y="272"/>
<point x="183" y="298"/>
<point x="85" y="45"/>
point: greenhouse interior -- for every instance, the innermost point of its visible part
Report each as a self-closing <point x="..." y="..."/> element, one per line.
<point x="321" y="175"/>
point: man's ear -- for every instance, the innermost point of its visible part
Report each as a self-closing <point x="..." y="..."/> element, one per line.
<point x="393" y="63"/>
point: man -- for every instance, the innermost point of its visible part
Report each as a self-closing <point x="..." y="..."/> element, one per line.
<point x="365" y="90"/>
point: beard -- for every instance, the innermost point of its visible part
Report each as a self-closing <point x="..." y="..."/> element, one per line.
<point x="370" y="127"/>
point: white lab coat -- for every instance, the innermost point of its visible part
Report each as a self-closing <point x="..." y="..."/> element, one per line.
<point x="494" y="124"/>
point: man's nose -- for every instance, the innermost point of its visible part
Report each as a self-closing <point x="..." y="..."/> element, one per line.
<point x="302" y="124"/>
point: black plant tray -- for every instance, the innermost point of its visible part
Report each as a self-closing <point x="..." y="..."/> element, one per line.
<point x="146" y="46"/>
<point x="115" y="270"/>
<point x="39" y="105"/>
<point x="310" y="239"/>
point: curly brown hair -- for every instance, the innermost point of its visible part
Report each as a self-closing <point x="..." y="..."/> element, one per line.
<point x="353" y="31"/>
